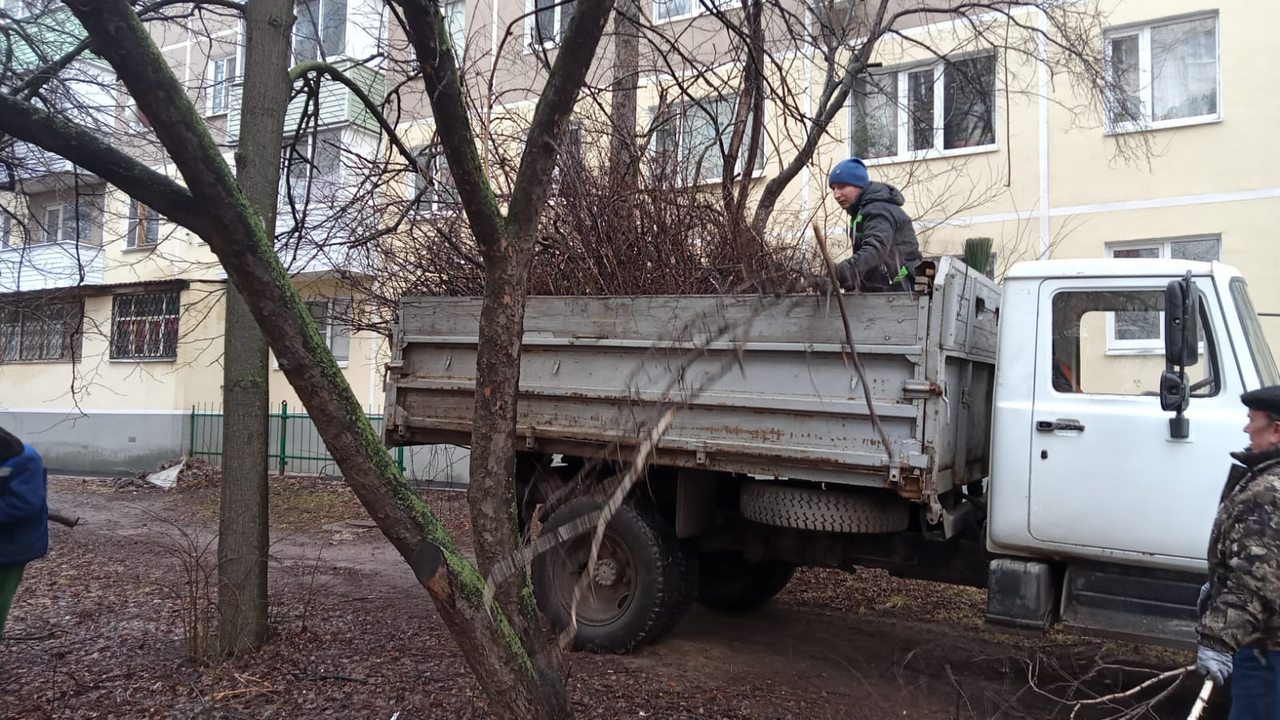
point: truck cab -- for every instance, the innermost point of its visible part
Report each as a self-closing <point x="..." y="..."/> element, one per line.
<point x="1107" y="501"/>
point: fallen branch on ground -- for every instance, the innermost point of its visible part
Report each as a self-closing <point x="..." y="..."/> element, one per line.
<point x="61" y="519"/>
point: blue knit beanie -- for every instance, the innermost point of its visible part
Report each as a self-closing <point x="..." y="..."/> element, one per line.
<point x="850" y="172"/>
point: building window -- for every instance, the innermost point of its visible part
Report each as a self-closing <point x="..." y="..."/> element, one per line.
<point x="333" y="318"/>
<point x="672" y="9"/>
<point x="455" y="22"/>
<point x="1142" y="332"/>
<point x="18" y="9"/>
<point x="36" y="332"/>
<point x="691" y="139"/>
<point x="432" y="188"/>
<point x="313" y="167"/>
<point x="6" y="229"/>
<point x="66" y="223"/>
<point x="550" y="18"/>
<point x="222" y="74"/>
<point x="666" y="10"/>
<point x="144" y="226"/>
<point x="1162" y="74"/>
<point x="320" y="30"/>
<point x="912" y="112"/>
<point x="145" y="327"/>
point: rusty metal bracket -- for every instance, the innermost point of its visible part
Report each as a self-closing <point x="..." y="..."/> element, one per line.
<point x="920" y="389"/>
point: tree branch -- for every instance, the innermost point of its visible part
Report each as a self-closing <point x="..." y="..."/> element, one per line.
<point x="555" y="105"/>
<point x="318" y="67"/>
<point x="424" y="26"/>
<point x="82" y="147"/>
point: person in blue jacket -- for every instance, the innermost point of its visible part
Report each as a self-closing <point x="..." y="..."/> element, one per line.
<point x="24" y="515"/>
<point x="885" y="249"/>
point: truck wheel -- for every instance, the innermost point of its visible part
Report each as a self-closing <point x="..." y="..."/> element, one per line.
<point x="730" y="583"/>
<point x="644" y="580"/>
<point x="844" y="511"/>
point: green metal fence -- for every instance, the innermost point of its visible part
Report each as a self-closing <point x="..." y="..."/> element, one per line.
<point x="294" y="444"/>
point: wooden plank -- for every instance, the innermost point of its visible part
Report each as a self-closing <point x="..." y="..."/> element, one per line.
<point x="884" y="318"/>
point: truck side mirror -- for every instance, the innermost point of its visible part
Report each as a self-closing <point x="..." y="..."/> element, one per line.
<point x="1181" y="323"/>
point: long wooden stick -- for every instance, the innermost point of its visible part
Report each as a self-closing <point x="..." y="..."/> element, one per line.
<point x="61" y="519"/>
<point x="1202" y="701"/>
<point x="853" y="349"/>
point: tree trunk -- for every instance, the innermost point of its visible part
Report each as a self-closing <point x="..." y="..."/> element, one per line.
<point x="624" y="164"/>
<point x="212" y="204"/>
<point x="243" y="530"/>
<point x="491" y="490"/>
<point x="243" y="533"/>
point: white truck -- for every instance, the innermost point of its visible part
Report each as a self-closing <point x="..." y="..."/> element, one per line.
<point x="1060" y="439"/>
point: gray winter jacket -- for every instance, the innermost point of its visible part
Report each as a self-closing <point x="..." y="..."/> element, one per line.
<point x="885" y="249"/>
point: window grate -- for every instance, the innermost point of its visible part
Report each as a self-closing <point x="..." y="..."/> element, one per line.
<point x="145" y="327"/>
<point x="42" y="331"/>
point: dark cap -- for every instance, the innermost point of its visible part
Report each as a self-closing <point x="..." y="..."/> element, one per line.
<point x="1265" y="399"/>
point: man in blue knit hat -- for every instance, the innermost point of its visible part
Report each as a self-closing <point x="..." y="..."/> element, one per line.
<point x="885" y="249"/>
<point x="24" y="515"/>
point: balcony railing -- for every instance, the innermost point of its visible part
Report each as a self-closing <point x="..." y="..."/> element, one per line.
<point x="50" y="265"/>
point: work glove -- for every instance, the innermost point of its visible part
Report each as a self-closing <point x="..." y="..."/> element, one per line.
<point x="1202" y="603"/>
<point x="847" y="276"/>
<point x="820" y="283"/>
<point x="1215" y="664"/>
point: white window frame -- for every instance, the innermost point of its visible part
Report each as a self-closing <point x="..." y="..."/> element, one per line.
<point x="17" y="9"/>
<point x="321" y="54"/>
<point x="309" y="148"/>
<point x="334" y="307"/>
<point x="1164" y="246"/>
<point x="531" y="26"/>
<point x="59" y="227"/>
<point x="676" y="112"/>
<point x="696" y="8"/>
<point x="455" y="23"/>
<point x="938" y="150"/>
<point x="142" y="228"/>
<point x="220" y="89"/>
<point x="1146" y="87"/>
<point x="438" y="176"/>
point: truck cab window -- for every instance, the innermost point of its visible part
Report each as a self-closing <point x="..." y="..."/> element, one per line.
<point x="1110" y="342"/>
<point x="1259" y="350"/>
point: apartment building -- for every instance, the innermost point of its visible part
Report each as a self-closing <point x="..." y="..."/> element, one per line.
<point x="111" y="317"/>
<point x="976" y="120"/>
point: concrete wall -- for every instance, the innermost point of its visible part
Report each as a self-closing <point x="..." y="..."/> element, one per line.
<point x="98" y="442"/>
<point x="125" y="443"/>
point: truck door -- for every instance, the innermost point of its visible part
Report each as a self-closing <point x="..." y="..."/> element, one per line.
<point x="1105" y="474"/>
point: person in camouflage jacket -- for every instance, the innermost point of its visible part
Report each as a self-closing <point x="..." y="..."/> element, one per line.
<point x="1239" y="626"/>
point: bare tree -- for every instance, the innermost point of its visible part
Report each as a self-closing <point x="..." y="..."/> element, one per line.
<point x="244" y="533"/>
<point x="504" y="645"/>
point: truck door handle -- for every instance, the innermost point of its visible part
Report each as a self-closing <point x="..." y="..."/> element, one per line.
<point x="1060" y="424"/>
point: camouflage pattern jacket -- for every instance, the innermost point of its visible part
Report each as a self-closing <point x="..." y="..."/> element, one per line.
<point x="1243" y="608"/>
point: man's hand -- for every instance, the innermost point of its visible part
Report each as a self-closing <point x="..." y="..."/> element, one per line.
<point x="847" y="276"/>
<point x="1202" y="603"/>
<point x="1215" y="664"/>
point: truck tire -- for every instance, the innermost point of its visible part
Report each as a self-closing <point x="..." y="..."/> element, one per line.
<point x="730" y="583"/>
<point x="842" y="511"/>
<point x="645" y="579"/>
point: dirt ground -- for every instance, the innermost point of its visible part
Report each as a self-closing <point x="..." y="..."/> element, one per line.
<point x="101" y="626"/>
